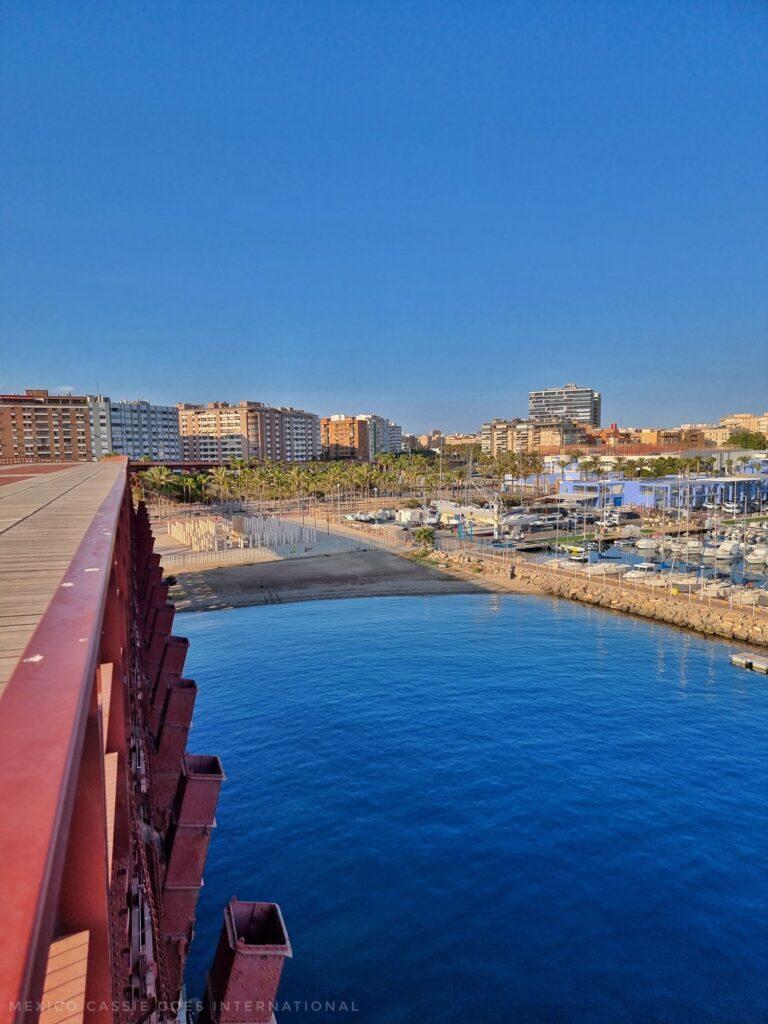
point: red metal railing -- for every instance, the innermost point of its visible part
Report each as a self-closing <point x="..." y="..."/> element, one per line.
<point x="53" y="846"/>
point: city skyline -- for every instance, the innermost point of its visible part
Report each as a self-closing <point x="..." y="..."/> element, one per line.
<point x="362" y="210"/>
<point x="354" y="409"/>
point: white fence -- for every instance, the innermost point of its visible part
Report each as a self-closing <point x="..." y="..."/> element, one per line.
<point x="181" y="560"/>
<point x="242" y="540"/>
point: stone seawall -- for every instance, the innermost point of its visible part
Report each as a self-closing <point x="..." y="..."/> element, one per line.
<point x="713" y="620"/>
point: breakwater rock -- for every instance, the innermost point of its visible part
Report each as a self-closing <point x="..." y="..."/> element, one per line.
<point x="712" y="619"/>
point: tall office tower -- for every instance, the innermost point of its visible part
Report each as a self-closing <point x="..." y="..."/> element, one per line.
<point x="38" y="427"/>
<point x="570" y="402"/>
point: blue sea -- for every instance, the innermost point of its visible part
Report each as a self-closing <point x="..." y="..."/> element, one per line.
<point x="488" y="808"/>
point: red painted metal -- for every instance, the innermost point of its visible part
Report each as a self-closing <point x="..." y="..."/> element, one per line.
<point x="186" y="850"/>
<point x="42" y="728"/>
<point x="198" y="792"/>
<point x="245" y="973"/>
<point x="102" y="673"/>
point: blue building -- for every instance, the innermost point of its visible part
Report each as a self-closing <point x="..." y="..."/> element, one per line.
<point x="666" y="492"/>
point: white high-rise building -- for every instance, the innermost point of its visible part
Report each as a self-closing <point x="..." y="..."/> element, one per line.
<point x="394" y="437"/>
<point x="570" y="402"/>
<point x="383" y="434"/>
<point x="137" y="429"/>
<point x="100" y="412"/>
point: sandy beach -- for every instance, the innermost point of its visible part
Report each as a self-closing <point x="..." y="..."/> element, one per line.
<point x="354" y="574"/>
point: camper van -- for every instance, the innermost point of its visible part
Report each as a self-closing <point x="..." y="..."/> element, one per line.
<point x="409" y="516"/>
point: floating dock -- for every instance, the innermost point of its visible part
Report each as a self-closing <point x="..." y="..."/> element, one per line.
<point x="752" y="662"/>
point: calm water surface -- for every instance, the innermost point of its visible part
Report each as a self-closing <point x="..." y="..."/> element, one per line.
<point x="489" y="809"/>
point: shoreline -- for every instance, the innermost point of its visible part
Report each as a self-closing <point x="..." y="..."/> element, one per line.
<point x="330" y="577"/>
<point x="378" y="573"/>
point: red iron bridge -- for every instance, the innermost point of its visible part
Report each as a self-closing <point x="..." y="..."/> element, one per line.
<point x="106" y="817"/>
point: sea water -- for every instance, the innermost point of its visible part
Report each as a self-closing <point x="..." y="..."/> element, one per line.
<point x="489" y="809"/>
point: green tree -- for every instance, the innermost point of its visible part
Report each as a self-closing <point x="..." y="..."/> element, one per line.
<point x="425" y="536"/>
<point x="156" y="481"/>
<point x="751" y="439"/>
<point x="219" y="482"/>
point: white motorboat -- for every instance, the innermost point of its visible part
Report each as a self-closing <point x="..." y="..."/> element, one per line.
<point x="757" y="555"/>
<point x="604" y="569"/>
<point x="728" y="551"/>
<point x="752" y="597"/>
<point x="578" y="555"/>
<point x="715" y="588"/>
<point x="646" y="544"/>
<point x="642" y="571"/>
<point x="687" y="547"/>
<point x="684" y="581"/>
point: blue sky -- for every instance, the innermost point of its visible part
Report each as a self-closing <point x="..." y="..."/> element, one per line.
<point x="419" y="209"/>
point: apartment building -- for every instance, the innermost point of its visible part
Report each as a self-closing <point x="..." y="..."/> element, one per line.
<point x="525" y="436"/>
<point x="495" y="436"/>
<point x="749" y="421"/>
<point x="344" y="437"/>
<point x="38" y="427"/>
<point x="394" y="436"/>
<point x="718" y="435"/>
<point x="220" y="431"/>
<point x="295" y="435"/>
<point x="432" y="439"/>
<point x="137" y="429"/>
<point x="383" y="434"/>
<point x="100" y="419"/>
<point x="463" y="440"/>
<point x="570" y="402"/>
<point x="359" y="437"/>
<point x="703" y="434"/>
<point x="532" y="436"/>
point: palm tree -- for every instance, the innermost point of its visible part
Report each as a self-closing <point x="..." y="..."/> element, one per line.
<point x="425" y="536"/>
<point x="219" y="482"/>
<point x="536" y="466"/>
<point x="365" y="476"/>
<point x="296" y="479"/>
<point x="156" y="480"/>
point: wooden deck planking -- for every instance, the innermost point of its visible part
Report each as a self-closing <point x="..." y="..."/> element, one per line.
<point x="43" y="519"/>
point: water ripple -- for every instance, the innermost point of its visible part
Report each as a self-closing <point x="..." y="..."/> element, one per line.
<point x="490" y="809"/>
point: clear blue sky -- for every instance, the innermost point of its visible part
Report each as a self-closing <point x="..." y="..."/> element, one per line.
<point x="419" y="209"/>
